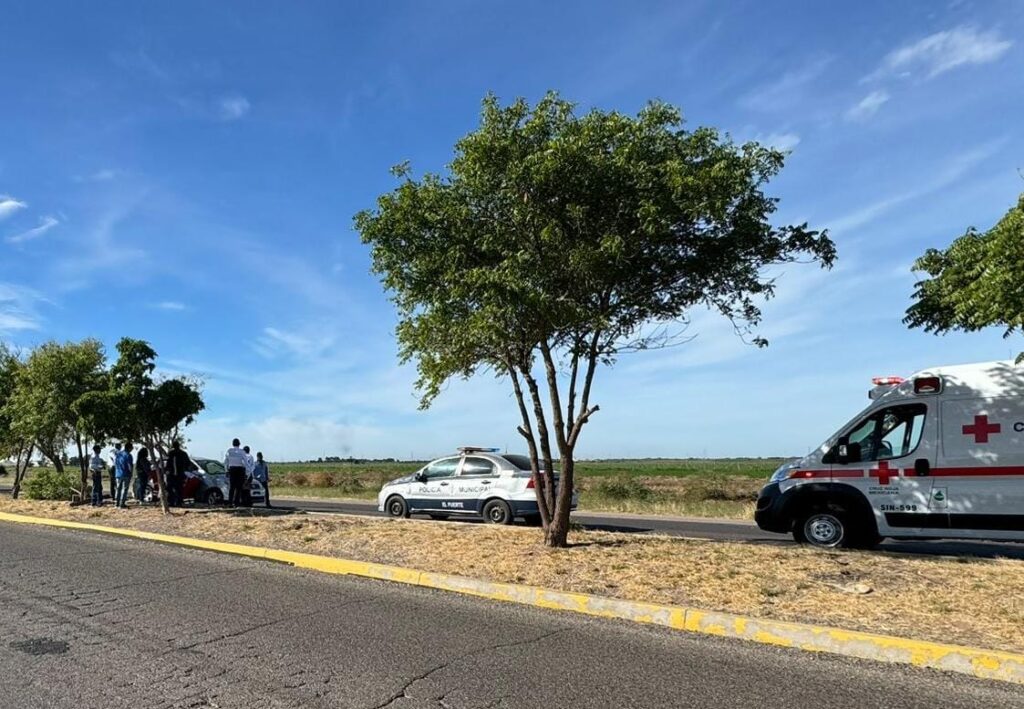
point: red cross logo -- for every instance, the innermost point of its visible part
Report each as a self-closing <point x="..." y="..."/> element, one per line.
<point x="981" y="428"/>
<point x="883" y="472"/>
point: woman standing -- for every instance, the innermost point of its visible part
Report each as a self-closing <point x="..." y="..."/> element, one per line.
<point x="142" y="471"/>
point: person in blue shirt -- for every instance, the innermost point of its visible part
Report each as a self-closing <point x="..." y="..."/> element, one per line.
<point x="123" y="472"/>
<point x="96" y="467"/>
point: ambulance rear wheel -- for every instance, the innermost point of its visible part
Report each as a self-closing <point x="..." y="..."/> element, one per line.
<point x="396" y="507"/>
<point x="825" y="528"/>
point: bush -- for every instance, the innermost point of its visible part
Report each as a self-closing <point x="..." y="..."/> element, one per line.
<point x="297" y="479"/>
<point x="624" y="489"/>
<point x="349" y="484"/>
<point x="48" y="484"/>
<point x="320" y="480"/>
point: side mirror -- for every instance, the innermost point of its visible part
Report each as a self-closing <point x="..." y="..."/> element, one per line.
<point x="842" y="450"/>
<point x="421" y="477"/>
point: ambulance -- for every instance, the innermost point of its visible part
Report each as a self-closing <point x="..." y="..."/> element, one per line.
<point x="937" y="455"/>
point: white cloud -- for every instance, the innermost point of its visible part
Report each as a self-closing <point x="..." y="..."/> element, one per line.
<point x="940" y="52"/>
<point x="781" y="141"/>
<point x="868" y="106"/>
<point x="45" y="224"/>
<point x="170" y="305"/>
<point x="9" y="205"/>
<point x="786" y="91"/>
<point x="953" y="169"/>
<point x="232" y="107"/>
<point x="275" y="341"/>
<point x="17" y="308"/>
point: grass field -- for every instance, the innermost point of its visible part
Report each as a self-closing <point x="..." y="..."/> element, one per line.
<point x="701" y="487"/>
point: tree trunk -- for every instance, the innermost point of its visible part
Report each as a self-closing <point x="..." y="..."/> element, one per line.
<point x="83" y="466"/>
<point x="20" y="468"/>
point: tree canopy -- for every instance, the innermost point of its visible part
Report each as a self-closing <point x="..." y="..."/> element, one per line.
<point x="977" y="282"/>
<point x="559" y="241"/>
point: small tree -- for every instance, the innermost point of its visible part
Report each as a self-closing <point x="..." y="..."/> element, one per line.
<point x="42" y="406"/>
<point x="558" y="242"/>
<point x="13" y="443"/>
<point x="977" y="282"/>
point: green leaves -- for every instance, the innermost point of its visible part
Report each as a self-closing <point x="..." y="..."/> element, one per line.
<point x="977" y="282"/>
<point x="550" y="226"/>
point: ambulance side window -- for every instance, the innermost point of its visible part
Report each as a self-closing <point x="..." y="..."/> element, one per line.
<point x="894" y="432"/>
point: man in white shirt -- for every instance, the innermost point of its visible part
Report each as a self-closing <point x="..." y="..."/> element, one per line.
<point x="250" y="462"/>
<point x="235" y="462"/>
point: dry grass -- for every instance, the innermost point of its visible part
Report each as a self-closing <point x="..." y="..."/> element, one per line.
<point x="965" y="601"/>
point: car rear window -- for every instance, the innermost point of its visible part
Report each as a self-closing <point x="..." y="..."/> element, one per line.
<point x="519" y="461"/>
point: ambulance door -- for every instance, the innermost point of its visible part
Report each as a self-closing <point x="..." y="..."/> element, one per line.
<point x="890" y="456"/>
<point x="982" y="467"/>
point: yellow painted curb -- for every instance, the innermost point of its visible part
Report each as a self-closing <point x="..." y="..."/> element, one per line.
<point x="985" y="664"/>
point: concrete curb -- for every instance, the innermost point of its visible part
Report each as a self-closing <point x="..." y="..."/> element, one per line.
<point x="985" y="664"/>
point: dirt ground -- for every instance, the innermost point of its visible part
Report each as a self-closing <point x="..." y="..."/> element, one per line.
<point x="967" y="601"/>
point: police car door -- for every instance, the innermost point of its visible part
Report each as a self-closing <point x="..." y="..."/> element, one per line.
<point x="476" y="478"/>
<point x="436" y="488"/>
<point x="893" y="453"/>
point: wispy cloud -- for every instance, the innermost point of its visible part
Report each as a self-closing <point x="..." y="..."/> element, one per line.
<point x="867" y="106"/>
<point x="45" y="224"/>
<point x="780" y="141"/>
<point x="18" y="308"/>
<point x="940" y="52"/>
<point x="104" y="175"/>
<point x="785" y="91"/>
<point x="170" y="305"/>
<point x="274" y="342"/>
<point x="232" y="107"/>
<point x="9" y="205"/>
<point x="953" y="169"/>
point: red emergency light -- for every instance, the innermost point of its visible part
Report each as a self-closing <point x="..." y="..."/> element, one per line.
<point x="887" y="381"/>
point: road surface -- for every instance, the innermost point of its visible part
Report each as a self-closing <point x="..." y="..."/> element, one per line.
<point x="94" y="621"/>
<point x="695" y="527"/>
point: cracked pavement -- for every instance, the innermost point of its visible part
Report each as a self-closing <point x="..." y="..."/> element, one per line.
<point x="94" y="621"/>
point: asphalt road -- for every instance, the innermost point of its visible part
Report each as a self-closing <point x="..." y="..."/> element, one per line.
<point x="94" y="621"/>
<point x="718" y="530"/>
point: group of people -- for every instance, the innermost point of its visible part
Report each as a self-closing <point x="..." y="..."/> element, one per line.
<point x="241" y="466"/>
<point x="123" y="468"/>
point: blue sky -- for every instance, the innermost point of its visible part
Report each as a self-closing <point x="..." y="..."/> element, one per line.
<point x="187" y="173"/>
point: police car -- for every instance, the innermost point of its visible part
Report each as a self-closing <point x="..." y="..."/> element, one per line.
<point x="477" y="482"/>
<point x="940" y="454"/>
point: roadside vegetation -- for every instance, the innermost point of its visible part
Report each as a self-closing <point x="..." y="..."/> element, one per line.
<point x="971" y="601"/>
<point x="684" y="487"/>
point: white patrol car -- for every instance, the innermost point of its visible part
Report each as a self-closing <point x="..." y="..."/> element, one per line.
<point x="940" y="454"/>
<point x="477" y="482"/>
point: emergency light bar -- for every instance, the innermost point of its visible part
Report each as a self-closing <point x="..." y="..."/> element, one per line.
<point x="887" y="381"/>
<point x="477" y="449"/>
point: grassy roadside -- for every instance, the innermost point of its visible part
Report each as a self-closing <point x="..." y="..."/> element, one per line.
<point x="689" y="487"/>
<point x="964" y="601"/>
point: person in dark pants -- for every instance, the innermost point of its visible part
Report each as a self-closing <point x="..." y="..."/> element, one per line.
<point x="142" y="473"/>
<point x="177" y="464"/>
<point x="123" y="473"/>
<point x="96" y="466"/>
<point x="234" y="461"/>
<point x="261" y="473"/>
<point x="113" y="473"/>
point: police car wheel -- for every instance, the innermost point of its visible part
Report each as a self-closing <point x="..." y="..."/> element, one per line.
<point x="498" y="512"/>
<point x="396" y="507"/>
<point x="823" y="528"/>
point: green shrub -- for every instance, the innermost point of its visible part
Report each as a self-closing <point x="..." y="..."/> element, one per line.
<point x="48" y="484"/>
<point x="624" y="489"/>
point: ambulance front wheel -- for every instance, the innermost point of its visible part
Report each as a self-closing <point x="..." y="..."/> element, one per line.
<point x="833" y="527"/>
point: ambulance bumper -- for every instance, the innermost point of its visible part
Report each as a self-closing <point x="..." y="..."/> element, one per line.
<point x="769" y="514"/>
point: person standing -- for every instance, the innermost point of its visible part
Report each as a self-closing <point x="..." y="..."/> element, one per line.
<point x="96" y="467"/>
<point x="235" y="462"/>
<point x="113" y="472"/>
<point x="261" y="473"/>
<point x="177" y="464"/>
<point x="123" y="473"/>
<point x="142" y="473"/>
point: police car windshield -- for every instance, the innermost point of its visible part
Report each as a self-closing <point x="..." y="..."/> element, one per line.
<point x="519" y="461"/>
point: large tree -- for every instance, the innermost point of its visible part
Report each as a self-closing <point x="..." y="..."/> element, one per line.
<point x="558" y="241"/>
<point x="135" y="406"/>
<point x="42" y="406"/>
<point x="977" y="282"/>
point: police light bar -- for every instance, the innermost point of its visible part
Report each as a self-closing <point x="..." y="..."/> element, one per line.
<point x="886" y="381"/>
<point x="477" y="449"/>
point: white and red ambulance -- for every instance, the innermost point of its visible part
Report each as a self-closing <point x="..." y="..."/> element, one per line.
<point x="939" y="454"/>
